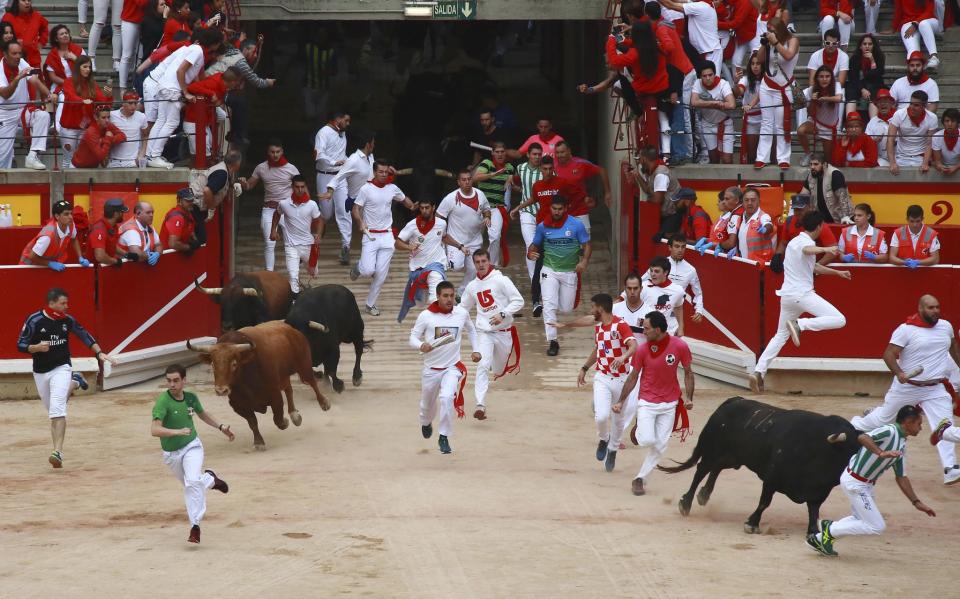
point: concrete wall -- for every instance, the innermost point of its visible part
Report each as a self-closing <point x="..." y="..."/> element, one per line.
<point x="391" y="10"/>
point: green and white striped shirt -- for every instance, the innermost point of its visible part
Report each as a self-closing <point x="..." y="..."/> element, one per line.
<point x="866" y="464"/>
<point x="529" y="175"/>
<point x="494" y="187"/>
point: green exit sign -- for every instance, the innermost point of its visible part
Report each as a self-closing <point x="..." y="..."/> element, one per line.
<point x="455" y="9"/>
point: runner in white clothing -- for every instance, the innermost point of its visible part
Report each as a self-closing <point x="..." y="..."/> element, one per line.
<point x="354" y="173"/>
<point x="302" y="227"/>
<point x="798" y="296"/>
<point x="660" y="294"/>
<point x="496" y="299"/>
<point x="374" y="215"/>
<point x="425" y="238"/>
<point x="683" y="274"/>
<point x="438" y="334"/>
<point x="921" y="354"/>
<point x="467" y="213"/>
<point x="329" y="154"/>
<point x="277" y="176"/>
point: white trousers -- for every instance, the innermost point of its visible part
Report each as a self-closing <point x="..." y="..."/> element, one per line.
<point x="129" y="49"/>
<point x="629" y="411"/>
<point x="9" y="122"/>
<point x="558" y="291"/>
<point x="439" y="388"/>
<point x="494" y="233"/>
<point x="871" y="13"/>
<point x="69" y="139"/>
<point x="335" y="207"/>
<point x="939" y="9"/>
<point x="935" y="408"/>
<point x="117" y="163"/>
<point x="528" y="228"/>
<point x="711" y="136"/>
<point x="168" y="118"/>
<point x="269" y="247"/>
<point x="926" y="30"/>
<point x="191" y="130"/>
<point x="39" y="123"/>
<point x="606" y="392"/>
<point x="54" y="389"/>
<point x="495" y="349"/>
<point x="433" y="279"/>
<point x="688" y="80"/>
<point x="866" y="518"/>
<point x="186" y="464"/>
<point x="740" y="54"/>
<point x="82" y="12"/>
<point x="771" y="124"/>
<point x="101" y="8"/>
<point x="654" y="426"/>
<point x="465" y="263"/>
<point x="376" y="251"/>
<point x="826" y="318"/>
<point x="846" y="29"/>
<point x="295" y="254"/>
<point x="150" y="104"/>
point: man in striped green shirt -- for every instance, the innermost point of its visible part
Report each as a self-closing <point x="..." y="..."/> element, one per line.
<point x="492" y="176"/>
<point x="883" y="448"/>
<point x="528" y="173"/>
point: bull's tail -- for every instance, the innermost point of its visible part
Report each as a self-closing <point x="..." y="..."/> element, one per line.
<point x="681" y="466"/>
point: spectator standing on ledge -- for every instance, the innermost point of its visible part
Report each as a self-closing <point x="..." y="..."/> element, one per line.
<point x="713" y="97"/>
<point x="49" y="247"/>
<point x="827" y="189"/>
<point x="243" y="60"/>
<point x="914" y="244"/>
<point x="45" y="336"/>
<point x="277" y="175"/>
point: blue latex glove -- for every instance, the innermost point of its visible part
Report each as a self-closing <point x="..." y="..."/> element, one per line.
<point x="84" y="262"/>
<point x="870" y="256"/>
<point x="911" y="263"/>
<point x="707" y="246"/>
<point x="848" y="258"/>
<point x="57" y="266"/>
<point x="152" y="258"/>
<point x="699" y="242"/>
<point x="764" y="229"/>
<point x="732" y="253"/>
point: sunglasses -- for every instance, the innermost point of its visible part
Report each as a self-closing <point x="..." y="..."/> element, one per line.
<point x="831" y="44"/>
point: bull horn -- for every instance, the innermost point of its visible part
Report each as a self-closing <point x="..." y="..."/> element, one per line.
<point x="837" y="438"/>
<point x="244" y="346"/>
<point x="203" y="349"/>
<point x="250" y="291"/>
<point x="208" y="290"/>
<point x="319" y="327"/>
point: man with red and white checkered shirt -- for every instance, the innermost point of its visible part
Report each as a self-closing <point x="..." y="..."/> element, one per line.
<point x="615" y="347"/>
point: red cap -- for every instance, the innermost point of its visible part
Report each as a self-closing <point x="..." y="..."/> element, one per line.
<point x="883" y="94"/>
<point x="854" y="116"/>
<point x="130" y="96"/>
<point x="916" y="55"/>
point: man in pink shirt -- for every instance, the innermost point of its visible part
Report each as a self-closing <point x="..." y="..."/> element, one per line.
<point x="660" y="410"/>
<point x="545" y="136"/>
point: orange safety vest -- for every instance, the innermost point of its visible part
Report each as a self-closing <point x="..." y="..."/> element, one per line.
<point x="851" y="240"/>
<point x="906" y="249"/>
<point x="56" y="250"/>
<point x="131" y="225"/>
<point x="719" y="231"/>
<point x="759" y="246"/>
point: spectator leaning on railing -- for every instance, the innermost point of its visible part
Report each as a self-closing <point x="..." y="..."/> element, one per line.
<point x="98" y="140"/>
<point x="49" y="247"/>
<point x="104" y="234"/>
<point x="139" y="241"/>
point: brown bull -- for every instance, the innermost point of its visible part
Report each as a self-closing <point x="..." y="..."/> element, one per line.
<point x="251" y="298"/>
<point x="253" y="365"/>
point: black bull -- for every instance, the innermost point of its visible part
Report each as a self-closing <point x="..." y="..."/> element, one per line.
<point x="788" y="449"/>
<point x="328" y="316"/>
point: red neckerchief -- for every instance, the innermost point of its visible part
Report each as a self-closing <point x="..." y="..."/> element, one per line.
<point x="473" y="202"/>
<point x="10" y="72"/>
<point x="552" y="224"/>
<point x="436" y="309"/>
<point x="950" y="137"/>
<point x="885" y="119"/>
<point x="855" y="145"/>
<point x="658" y="347"/>
<point x="489" y="272"/>
<point x="424" y="226"/>
<point x="377" y="183"/>
<point x="278" y="163"/>
<point x="53" y="314"/>
<point x="716" y="82"/>
<point x="830" y="61"/>
<point x="917" y="321"/>
<point x="923" y="79"/>
<point x="665" y="284"/>
<point x="865" y="64"/>
<point x="917" y="121"/>
<point x="301" y="199"/>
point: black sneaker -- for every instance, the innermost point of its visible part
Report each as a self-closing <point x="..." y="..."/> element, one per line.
<point x="636" y="487"/>
<point x="444" y="444"/>
<point x="537" y="309"/>
<point x="611" y="461"/>
<point x="81" y="382"/>
<point x="194" y="535"/>
<point x="601" y="450"/>
<point x="554" y="348"/>
<point x="426" y="431"/>
<point x="218" y="484"/>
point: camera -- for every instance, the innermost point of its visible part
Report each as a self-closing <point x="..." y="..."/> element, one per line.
<point x="763" y="40"/>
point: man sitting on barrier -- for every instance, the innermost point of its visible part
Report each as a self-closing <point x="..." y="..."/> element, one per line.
<point x="139" y="241"/>
<point x="914" y="244"/>
<point x="49" y="247"/>
<point x="104" y="234"/>
<point x="177" y="231"/>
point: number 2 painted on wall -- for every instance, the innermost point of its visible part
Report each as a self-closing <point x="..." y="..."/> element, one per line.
<point x="485" y="298"/>
<point x="943" y="208"/>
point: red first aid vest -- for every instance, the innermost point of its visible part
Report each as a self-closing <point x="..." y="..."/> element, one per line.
<point x="188" y="226"/>
<point x="759" y="246"/>
<point x="56" y="250"/>
<point x="872" y="244"/>
<point x="906" y="249"/>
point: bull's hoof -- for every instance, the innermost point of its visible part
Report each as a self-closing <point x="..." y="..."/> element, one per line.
<point x="684" y="507"/>
<point x="750" y="529"/>
<point x="703" y="496"/>
<point x="260" y="446"/>
<point x="295" y="416"/>
<point x="324" y="404"/>
<point x="338" y="385"/>
<point x="357" y="380"/>
<point x="283" y="424"/>
<point x="318" y="374"/>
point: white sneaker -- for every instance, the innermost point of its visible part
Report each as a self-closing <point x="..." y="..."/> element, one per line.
<point x="116" y="66"/>
<point x="159" y="162"/>
<point x="31" y="161"/>
<point x="933" y="62"/>
<point x="806" y="160"/>
<point x="373" y="310"/>
<point x="794" y="329"/>
<point x="951" y="475"/>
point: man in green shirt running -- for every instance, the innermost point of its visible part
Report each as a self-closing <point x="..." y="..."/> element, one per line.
<point x="882" y="448"/>
<point x="492" y="176"/>
<point x="182" y="451"/>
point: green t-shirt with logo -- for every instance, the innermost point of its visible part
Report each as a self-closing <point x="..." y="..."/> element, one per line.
<point x="176" y="415"/>
<point x="494" y="187"/>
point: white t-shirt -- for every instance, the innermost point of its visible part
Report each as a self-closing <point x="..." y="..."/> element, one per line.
<point x="192" y="54"/>
<point x="377" y="205"/>
<point x="131" y="237"/>
<point x="901" y="91"/>
<point x="816" y="61"/>
<point x="463" y="222"/>
<point x="913" y="140"/>
<point x="277" y="180"/>
<point x="878" y="128"/>
<point x="297" y="221"/>
<point x="633" y="318"/>
<point x="949" y="157"/>
<point x="828" y="113"/>
<point x="356" y="171"/>
<point x="764" y="219"/>
<point x="683" y="274"/>
<point x="914" y="237"/>
<point x="44" y="242"/>
<point x="661" y="182"/>
<point x="798" y="267"/>
<point x="329" y="147"/>
<point x="491" y="295"/>
<point x="927" y="347"/>
<point x="430" y="248"/>
<point x="132" y="127"/>
<point x="434" y="325"/>
<point x="718" y="93"/>
<point x="702" y="26"/>
<point x="663" y="300"/>
<point x="748" y="97"/>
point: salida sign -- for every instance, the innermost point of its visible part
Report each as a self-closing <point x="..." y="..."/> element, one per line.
<point x="455" y="9"/>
